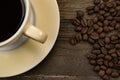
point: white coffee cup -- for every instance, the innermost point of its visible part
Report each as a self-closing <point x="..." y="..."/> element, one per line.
<point x="26" y="29"/>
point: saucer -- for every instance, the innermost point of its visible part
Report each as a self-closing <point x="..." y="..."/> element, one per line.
<point x="31" y="53"/>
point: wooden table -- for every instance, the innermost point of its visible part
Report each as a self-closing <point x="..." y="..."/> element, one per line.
<point x="64" y="62"/>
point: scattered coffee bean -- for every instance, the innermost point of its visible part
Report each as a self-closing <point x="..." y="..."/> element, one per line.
<point x="84" y="22"/>
<point x="96" y="51"/>
<point x="84" y="30"/>
<point x="110" y="64"/>
<point x="91" y="41"/>
<point x="92" y="62"/>
<point x="101" y="42"/>
<point x="91" y="56"/>
<point x="108" y="57"/>
<point x="107" y="40"/>
<point x="90" y="30"/>
<point x="106" y="77"/>
<point x="115" y="74"/>
<point x="96" y="46"/>
<point x="94" y="35"/>
<point x="80" y="14"/>
<point x="78" y="29"/>
<point x="78" y="37"/>
<point x="97" y="68"/>
<point x="103" y="67"/>
<point x="100" y="61"/>
<point x="96" y="2"/>
<point x="103" y="35"/>
<point x="101" y="73"/>
<point x="73" y="41"/>
<point x="104" y="50"/>
<point x="85" y="37"/>
<point x="108" y="71"/>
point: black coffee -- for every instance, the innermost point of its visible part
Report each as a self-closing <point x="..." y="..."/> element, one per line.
<point x="11" y="16"/>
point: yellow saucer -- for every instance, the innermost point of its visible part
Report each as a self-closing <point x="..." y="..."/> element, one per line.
<point x="32" y="53"/>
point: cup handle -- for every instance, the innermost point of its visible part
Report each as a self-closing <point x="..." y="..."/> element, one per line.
<point x="35" y="33"/>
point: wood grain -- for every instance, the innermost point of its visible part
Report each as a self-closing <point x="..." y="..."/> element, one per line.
<point x="65" y="62"/>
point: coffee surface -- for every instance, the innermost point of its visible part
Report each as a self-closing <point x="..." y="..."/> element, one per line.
<point x="11" y="17"/>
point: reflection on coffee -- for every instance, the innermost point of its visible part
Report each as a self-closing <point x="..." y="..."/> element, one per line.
<point x="11" y="16"/>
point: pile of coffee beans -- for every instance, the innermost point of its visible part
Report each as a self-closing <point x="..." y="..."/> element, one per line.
<point x="103" y="32"/>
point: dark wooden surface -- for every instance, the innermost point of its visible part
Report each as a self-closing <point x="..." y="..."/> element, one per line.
<point x="64" y="62"/>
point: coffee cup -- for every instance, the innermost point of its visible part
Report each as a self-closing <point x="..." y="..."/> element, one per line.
<point x="16" y="25"/>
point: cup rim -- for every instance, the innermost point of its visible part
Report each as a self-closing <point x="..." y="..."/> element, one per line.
<point x="18" y="32"/>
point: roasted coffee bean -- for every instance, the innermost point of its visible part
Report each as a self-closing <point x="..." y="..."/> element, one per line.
<point x="112" y="51"/>
<point x="78" y="37"/>
<point x="91" y="56"/>
<point x="100" y="30"/>
<point x="101" y="12"/>
<point x="108" y="46"/>
<point x="96" y="52"/>
<point x="110" y="64"/>
<point x="117" y="46"/>
<point x="117" y="19"/>
<point x="102" y="6"/>
<point x="108" y="57"/>
<point x="118" y="52"/>
<point x="107" y="14"/>
<point x="117" y="66"/>
<point x="76" y="22"/>
<point x="108" y="71"/>
<point x="103" y="35"/>
<point x="92" y="41"/>
<point x="95" y="19"/>
<point x="114" y="55"/>
<point x="112" y="10"/>
<point x="101" y="73"/>
<point x="115" y="60"/>
<point x="100" y="61"/>
<point x="90" y="23"/>
<point x="109" y="4"/>
<point x="78" y="29"/>
<point x="113" y="23"/>
<point x="97" y="68"/>
<point x="111" y="28"/>
<point x="84" y="22"/>
<point x="84" y="30"/>
<point x="89" y="8"/>
<point x="115" y="41"/>
<point x="101" y="18"/>
<point x="117" y="26"/>
<point x="107" y="40"/>
<point x="104" y="50"/>
<point x="80" y="14"/>
<point x="100" y="24"/>
<point x="114" y="37"/>
<point x="90" y="12"/>
<point x="100" y="56"/>
<point x="106" y="23"/>
<point x="92" y="62"/>
<point x="96" y="2"/>
<point x="101" y="42"/>
<point x="106" y="29"/>
<point x="85" y="37"/>
<point x="115" y="74"/>
<point x="109" y="18"/>
<point x="94" y="36"/>
<point x="106" y="77"/>
<point x="90" y="30"/>
<point x="103" y="67"/>
<point x="106" y="63"/>
<point x="96" y="26"/>
<point x="73" y="41"/>
<point x="96" y="9"/>
<point x="96" y="46"/>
